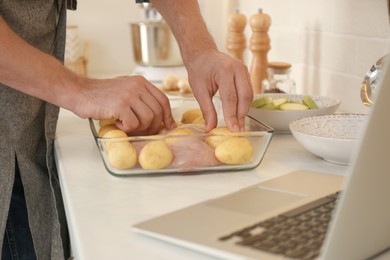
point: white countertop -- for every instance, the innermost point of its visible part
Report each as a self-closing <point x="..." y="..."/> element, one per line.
<point x="102" y="208"/>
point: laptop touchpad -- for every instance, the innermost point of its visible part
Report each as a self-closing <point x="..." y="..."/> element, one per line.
<point x="255" y="201"/>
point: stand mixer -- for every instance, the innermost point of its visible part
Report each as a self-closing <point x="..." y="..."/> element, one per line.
<point x="155" y="49"/>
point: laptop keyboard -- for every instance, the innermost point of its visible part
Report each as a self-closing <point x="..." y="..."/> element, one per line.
<point x="298" y="233"/>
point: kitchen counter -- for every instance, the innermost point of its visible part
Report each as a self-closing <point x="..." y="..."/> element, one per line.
<point x="102" y="208"/>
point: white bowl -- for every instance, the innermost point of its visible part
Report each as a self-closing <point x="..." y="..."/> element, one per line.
<point x="331" y="137"/>
<point x="279" y="120"/>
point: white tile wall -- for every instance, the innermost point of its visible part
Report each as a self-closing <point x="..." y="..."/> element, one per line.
<point x="331" y="43"/>
<point x="105" y="25"/>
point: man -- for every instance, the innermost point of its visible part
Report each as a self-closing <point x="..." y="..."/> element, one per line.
<point x="34" y="84"/>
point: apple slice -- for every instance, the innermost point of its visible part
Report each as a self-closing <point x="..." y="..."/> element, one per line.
<point x="269" y="106"/>
<point x="293" y="106"/>
<point x="279" y="101"/>
<point x="309" y="101"/>
<point x="259" y="102"/>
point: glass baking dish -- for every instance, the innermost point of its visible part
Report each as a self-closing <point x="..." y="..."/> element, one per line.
<point x="191" y="153"/>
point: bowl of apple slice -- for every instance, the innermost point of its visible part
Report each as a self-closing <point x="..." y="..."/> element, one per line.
<point x="277" y="110"/>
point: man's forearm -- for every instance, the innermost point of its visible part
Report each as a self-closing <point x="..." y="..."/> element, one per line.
<point x="187" y="24"/>
<point x="30" y="70"/>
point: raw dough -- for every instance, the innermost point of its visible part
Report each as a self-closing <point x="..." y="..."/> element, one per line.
<point x="155" y="155"/>
<point x="218" y="135"/>
<point x="236" y="150"/>
<point x="190" y="115"/>
<point x="105" y="128"/>
<point x="177" y="131"/>
<point x="122" y="155"/>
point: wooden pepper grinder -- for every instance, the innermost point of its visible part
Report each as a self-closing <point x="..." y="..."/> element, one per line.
<point x="259" y="45"/>
<point x="236" y="40"/>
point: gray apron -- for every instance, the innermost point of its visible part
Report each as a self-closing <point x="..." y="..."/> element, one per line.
<point x="27" y="130"/>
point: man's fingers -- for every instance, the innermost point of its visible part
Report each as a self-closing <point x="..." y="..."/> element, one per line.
<point x="208" y="111"/>
<point x="228" y="94"/>
<point x="163" y="100"/>
<point x="245" y="95"/>
<point x="127" y="120"/>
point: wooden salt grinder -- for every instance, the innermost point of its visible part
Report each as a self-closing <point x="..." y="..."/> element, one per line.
<point x="259" y="45"/>
<point x="236" y="41"/>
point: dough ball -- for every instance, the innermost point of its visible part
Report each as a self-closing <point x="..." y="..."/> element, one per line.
<point x="104" y="129"/>
<point x="199" y="120"/>
<point x="195" y="128"/>
<point x="190" y="115"/>
<point x="103" y="122"/>
<point x="112" y="134"/>
<point x="115" y="133"/>
<point x="163" y="130"/>
<point x="170" y="83"/>
<point x="184" y="86"/>
<point x="218" y="135"/>
<point x="122" y="155"/>
<point x="177" y="131"/>
<point x="236" y="150"/>
<point x="155" y="155"/>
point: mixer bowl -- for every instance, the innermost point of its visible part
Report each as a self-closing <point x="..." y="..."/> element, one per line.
<point x="154" y="44"/>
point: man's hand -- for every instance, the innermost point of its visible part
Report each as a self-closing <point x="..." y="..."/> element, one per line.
<point x="138" y="106"/>
<point x="213" y="71"/>
<point x="208" y="69"/>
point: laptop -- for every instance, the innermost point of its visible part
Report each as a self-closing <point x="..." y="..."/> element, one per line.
<point x="355" y="209"/>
